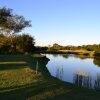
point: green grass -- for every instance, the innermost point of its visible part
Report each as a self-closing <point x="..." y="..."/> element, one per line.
<point x="19" y="81"/>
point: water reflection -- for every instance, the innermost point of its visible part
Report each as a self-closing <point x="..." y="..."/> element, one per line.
<point x="55" y="55"/>
<point x="73" y="69"/>
<point x="82" y="57"/>
<point x="59" y="73"/>
<point x="70" y="55"/>
<point x="97" y="82"/>
<point x="61" y="55"/>
<point x="65" y="56"/>
<point x="85" y="80"/>
<point x="96" y="61"/>
<point x="82" y="79"/>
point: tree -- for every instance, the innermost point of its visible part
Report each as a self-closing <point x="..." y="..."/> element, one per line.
<point x="4" y="15"/>
<point x="25" y="43"/>
<point x="1" y="39"/>
<point x="12" y="25"/>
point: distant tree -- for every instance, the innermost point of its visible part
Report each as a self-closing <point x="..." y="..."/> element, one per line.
<point x="56" y="47"/>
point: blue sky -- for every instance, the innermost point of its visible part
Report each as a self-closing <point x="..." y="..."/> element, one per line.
<point x="66" y="22"/>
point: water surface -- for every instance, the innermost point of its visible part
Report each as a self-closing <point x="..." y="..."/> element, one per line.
<point x="70" y="68"/>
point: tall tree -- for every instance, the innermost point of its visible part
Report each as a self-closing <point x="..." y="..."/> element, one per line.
<point x="12" y="24"/>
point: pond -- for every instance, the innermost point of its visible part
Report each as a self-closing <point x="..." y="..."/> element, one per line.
<point x="71" y="68"/>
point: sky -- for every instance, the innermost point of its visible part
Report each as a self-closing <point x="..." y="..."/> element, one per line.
<point x="66" y="22"/>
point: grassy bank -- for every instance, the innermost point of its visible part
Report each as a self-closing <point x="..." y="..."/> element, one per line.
<point x="19" y="81"/>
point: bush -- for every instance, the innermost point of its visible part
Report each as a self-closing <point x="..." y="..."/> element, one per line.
<point x="4" y="49"/>
<point x="86" y="54"/>
<point x="97" y="53"/>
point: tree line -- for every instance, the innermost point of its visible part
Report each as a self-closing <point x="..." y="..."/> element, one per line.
<point x="56" y="48"/>
<point x="94" y="47"/>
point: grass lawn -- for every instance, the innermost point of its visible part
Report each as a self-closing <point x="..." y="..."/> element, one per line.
<point x="19" y="81"/>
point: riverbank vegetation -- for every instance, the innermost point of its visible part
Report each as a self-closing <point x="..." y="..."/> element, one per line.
<point x="84" y="50"/>
<point x="19" y="81"/>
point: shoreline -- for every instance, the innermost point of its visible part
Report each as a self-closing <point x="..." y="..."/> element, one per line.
<point x="40" y="86"/>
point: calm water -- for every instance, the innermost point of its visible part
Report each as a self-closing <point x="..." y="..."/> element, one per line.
<point x="70" y="68"/>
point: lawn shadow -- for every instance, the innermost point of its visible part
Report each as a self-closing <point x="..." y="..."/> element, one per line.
<point x="16" y="61"/>
<point x="12" y="66"/>
<point x="42" y="90"/>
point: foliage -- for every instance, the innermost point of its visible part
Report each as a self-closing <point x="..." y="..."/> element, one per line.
<point x="11" y="24"/>
<point x="40" y="49"/>
<point x="55" y="47"/>
<point x="97" y="53"/>
<point x="96" y="60"/>
<point x="5" y="13"/>
<point x="86" y="54"/>
<point x="94" y="47"/>
<point x="23" y="43"/>
<point x="5" y="49"/>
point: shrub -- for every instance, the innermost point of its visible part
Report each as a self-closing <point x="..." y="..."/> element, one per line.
<point x="86" y="54"/>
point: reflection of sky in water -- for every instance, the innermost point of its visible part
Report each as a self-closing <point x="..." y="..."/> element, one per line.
<point x="70" y="66"/>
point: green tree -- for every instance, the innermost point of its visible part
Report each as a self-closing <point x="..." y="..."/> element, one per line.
<point x="12" y="25"/>
<point x="25" y="43"/>
<point x="5" y="13"/>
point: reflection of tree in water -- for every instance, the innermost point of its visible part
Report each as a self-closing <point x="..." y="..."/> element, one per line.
<point x="82" y="57"/>
<point x="97" y="82"/>
<point x="82" y="79"/>
<point x="55" y="55"/>
<point x="65" y="56"/>
<point x="59" y="72"/>
<point x="62" y="55"/>
<point x="96" y="61"/>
